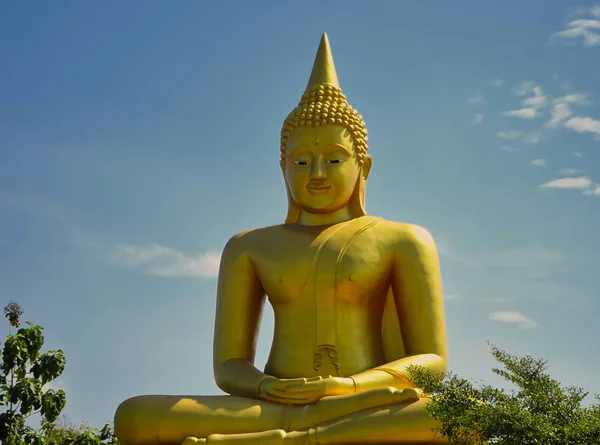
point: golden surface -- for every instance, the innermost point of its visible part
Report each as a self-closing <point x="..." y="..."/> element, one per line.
<point x="356" y="299"/>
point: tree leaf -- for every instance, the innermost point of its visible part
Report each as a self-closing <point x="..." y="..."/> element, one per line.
<point x="53" y="402"/>
<point x="14" y="353"/>
<point x="29" y="392"/>
<point x="49" y="366"/>
<point x="33" y="339"/>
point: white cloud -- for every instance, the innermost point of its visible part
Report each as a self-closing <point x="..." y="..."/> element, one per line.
<point x="583" y="29"/>
<point x="532" y="138"/>
<point x="509" y="148"/>
<point x="496" y="82"/>
<point x="583" y="125"/>
<point x="523" y="88"/>
<point x="538" y="162"/>
<point x="581" y="182"/>
<point x="523" y="113"/>
<point x="477" y="119"/>
<point x="510" y="134"/>
<point x="164" y="261"/>
<point x="511" y="317"/>
<point x="476" y="100"/>
<point x="530" y="105"/>
<point x="574" y="98"/>
<point x="538" y="99"/>
<point x="594" y="191"/>
<point x="570" y="171"/>
<point x="585" y="23"/>
<point x="559" y="113"/>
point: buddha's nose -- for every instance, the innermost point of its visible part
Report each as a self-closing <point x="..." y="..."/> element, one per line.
<point x="318" y="170"/>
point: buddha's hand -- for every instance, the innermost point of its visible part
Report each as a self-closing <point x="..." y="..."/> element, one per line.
<point x="305" y="391"/>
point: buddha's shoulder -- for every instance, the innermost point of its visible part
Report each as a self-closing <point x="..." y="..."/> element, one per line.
<point x="399" y="233"/>
<point x="403" y="233"/>
<point x="250" y="240"/>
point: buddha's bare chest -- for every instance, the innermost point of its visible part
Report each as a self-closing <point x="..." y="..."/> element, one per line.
<point x="293" y="267"/>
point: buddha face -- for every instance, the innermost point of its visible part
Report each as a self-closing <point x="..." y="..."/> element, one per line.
<point x="321" y="168"/>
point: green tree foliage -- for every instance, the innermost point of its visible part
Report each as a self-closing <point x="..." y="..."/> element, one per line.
<point x="537" y="411"/>
<point x="24" y="370"/>
<point x="62" y="432"/>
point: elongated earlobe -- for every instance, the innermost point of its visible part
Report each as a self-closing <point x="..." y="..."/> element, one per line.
<point x="293" y="209"/>
<point x="366" y="167"/>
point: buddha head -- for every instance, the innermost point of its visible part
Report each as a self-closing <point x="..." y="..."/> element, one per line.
<point x="324" y="147"/>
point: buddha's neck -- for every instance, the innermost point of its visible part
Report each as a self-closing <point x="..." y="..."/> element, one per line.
<point x="320" y="219"/>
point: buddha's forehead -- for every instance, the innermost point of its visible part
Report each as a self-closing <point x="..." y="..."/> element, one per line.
<point x="320" y="137"/>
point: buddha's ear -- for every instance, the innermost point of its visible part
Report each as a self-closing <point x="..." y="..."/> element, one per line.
<point x="293" y="208"/>
<point x="366" y="167"/>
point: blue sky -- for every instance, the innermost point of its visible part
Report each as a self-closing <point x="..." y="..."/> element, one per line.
<point x="135" y="140"/>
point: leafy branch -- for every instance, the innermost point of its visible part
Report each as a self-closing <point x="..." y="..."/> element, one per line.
<point x="537" y="411"/>
<point x="24" y="371"/>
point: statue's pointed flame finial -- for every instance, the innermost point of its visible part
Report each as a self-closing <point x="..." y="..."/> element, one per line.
<point x="323" y="72"/>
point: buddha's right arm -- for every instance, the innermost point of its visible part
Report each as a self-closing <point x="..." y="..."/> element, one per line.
<point x="418" y="296"/>
<point x="240" y="301"/>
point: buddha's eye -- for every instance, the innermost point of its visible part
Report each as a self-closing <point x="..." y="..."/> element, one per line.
<point x="301" y="162"/>
<point x="335" y="161"/>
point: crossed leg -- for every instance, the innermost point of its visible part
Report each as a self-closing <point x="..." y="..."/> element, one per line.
<point x="383" y="415"/>
<point x="403" y="421"/>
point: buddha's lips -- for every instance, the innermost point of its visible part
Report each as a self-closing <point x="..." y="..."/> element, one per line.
<point x="318" y="187"/>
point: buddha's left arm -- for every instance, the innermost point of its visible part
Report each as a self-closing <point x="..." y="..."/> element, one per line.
<point x="417" y="289"/>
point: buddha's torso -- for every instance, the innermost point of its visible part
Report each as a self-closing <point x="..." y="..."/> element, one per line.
<point x="327" y="286"/>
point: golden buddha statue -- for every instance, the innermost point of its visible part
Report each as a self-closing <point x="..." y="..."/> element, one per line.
<point x="357" y="300"/>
